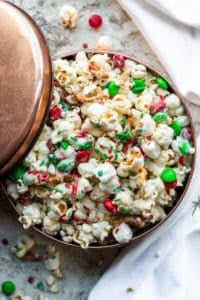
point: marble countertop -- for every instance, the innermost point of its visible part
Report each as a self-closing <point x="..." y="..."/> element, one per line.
<point x="81" y="269"/>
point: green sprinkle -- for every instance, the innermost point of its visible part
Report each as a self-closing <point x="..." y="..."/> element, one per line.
<point x="105" y="86"/>
<point x="97" y="150"/>
<point x="49" y="209"/>
<point x="98" y="125"/>
<point x="73" y="138"/>
<point x="139" y="86"/>
<point x="123" y="121"/>
<point x="85" y="146"/>
<point x="116" y="154"/>
<point x="40" y="286"/>
<point x="42" y="163"/>
<point x="184" y="147"/>
<point x="116" y="190"/>
<point x="176" y="126"/>
<point x="64" y="144"/>
<point x="162" y="83"/>
<point x="138" y="143"/>
<point x="104" y="156"/>
<point x="59" y="132"/>
<point x="113" y="89"/>
<point x="45" y="186"/>
<point x="8" y="288"/>
<point x="139" y="130"/>
<point x="125" y="210"/>
<point x="131" y="173"/>
<point x="168" y="175"/>
<point x="100" y="173"/>
<point x="65" y="106"/>
<point x="69" y="214"/>
<point x="23" y="242"/>
<point x="160" y="117"/>
<point x="18" y="172"/>
<point x="52" y="158"/>
<point x="117" y="200"/>
<point x="141" y="115"/>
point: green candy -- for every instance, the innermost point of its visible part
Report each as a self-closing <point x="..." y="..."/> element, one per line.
<point x="85" y="146"/>
<point x="162" y="83"/>
<point x="168" y="175"/>
<point x="64" y="144"/>
<point x="65" y="165"/>
<point x="52" y="158"/>
<point x="184" y="147"/>
<point x="113" y="89"/>
<point x="176" y="126"/>
<point x="18" y="172"/>
<point x="8" y="288"/>
<point x="160" y="117"/>
<point x="139" y="86"/>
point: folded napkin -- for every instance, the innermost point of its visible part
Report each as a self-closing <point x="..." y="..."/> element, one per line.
<point x="165" y="265"/>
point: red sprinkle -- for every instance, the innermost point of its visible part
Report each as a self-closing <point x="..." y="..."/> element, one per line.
<point x="158" y="106"/>
<point x="4" y="242"/>
<point x="118" y="61"/>
<point x="95" y="21"/>
<point x="85" y="45"/>
<point x="67" y="185"/>
<point x="116" y="230"/>
<point x="110" y="206"/>
<point x="31" y="279"/>
<point x="126" y="145"/>
<point x="170" y="185"/>
<point x="86" y="207"/>
<point x="24" y="198"/>
<point x="181" y="161"/>
<point x="75" y="188"/>
<point x="55" y="113"/>
<point x="82" y="156"/>
<point x="77" y="219"/>
<point x="49" y="145"/>
<point x="42" y="177"/>
<point x="62" y="216"/>
<point x="82" y="133"/>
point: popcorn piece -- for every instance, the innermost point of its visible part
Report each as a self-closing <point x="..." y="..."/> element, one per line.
<point x="23" y="248"/>
<point x="52" y="261"/>
<point x="104" y="43"/>
<point x="53" y="289"/>
<point x="68" y="15"/>
<point x="123" y="233"/>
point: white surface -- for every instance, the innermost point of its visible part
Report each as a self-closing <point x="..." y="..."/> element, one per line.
<point x="166" y="264"/>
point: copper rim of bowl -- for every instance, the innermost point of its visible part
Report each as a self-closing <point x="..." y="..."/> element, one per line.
<point x="187" y="182"/>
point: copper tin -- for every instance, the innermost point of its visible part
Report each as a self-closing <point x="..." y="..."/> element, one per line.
<point x="181" y="193"/>
<point x="25" y="84"/>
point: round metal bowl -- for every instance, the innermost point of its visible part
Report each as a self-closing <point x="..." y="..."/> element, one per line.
<point x="180" y="192"/>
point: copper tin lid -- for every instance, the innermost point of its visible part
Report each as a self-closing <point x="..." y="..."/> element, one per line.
<point x="25" y="84"/>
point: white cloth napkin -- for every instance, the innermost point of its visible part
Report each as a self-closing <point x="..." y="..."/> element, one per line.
<point x="166" y="264"/>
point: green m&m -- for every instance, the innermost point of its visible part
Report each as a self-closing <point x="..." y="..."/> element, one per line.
<point x="184" y="147"/>
<point x="8" y="288"/>
<point x="139" y="86"/>
<point x="18" y="172"/>
<point x="176" y="126"/>
<point x="160" y="117"/>
<point x="162" y="83"/>
<point x="113" y="89"/>
<point x="168" y="175"/>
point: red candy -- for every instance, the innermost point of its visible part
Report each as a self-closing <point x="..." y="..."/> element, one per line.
<point x="82" y="156"/>
<point x="55" y="113"/>
<point x="85" y="45"/>
<point x="170" y="185"/>
<point x="157" y="106"/>
<point x="49" y="145"/>
<point x="118" y="61"/>
<point x="4" y="242"/>
<point x="31" y="279"/>
<point x="187" y="133"/>
<point x="95" y="21"/>
<point x="181" y="161"/>
<point x="82" y="133"/>
<point x="110" y="206"/>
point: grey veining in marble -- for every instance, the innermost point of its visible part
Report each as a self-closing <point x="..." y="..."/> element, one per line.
<point x="81" y="269"/>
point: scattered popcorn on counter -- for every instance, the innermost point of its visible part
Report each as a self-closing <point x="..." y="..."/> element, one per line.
<point x="23" y="248"/>
<point x="104" y="43"/>
<point x="68" y="15"/>
<point x="115" y="148"/>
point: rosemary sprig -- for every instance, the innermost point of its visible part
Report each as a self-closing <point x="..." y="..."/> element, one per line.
<point x="196" y="204"/>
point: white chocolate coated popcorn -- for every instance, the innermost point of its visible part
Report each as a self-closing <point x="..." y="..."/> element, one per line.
<point x="95" y="173"/>
<point x="68" y="15"/>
